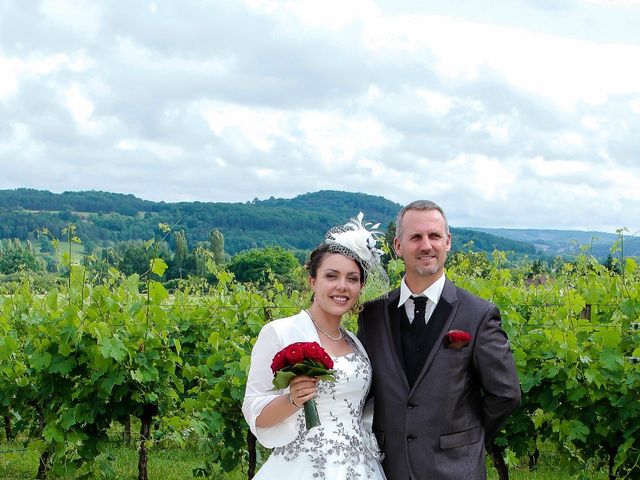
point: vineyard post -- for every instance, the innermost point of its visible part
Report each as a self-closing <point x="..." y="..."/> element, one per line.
<point x="251" y="438"/>
<point x="126" y="434"/>
<point x="497" y="455"/>
<point x="251" y="446"/>
<point x="43" y="462"/>
<point x="148" y="412"/>
<point x="7" y="428"/>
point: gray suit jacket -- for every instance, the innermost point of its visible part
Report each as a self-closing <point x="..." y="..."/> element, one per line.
<point x="436" y="430"/>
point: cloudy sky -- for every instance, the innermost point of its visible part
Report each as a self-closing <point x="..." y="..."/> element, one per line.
<point x="509" y="113"/>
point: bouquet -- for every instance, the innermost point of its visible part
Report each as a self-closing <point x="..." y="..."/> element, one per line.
<point x="302" y="358"/>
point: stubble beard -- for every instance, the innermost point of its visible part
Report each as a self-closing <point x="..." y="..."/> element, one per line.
<point x="427" y="270"/>
<point x="430" y="269"/>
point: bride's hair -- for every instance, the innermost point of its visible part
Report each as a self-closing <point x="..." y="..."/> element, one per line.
<point x="317" y="257"/>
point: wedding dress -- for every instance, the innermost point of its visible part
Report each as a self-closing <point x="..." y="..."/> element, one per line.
<point x="342" y="447"/>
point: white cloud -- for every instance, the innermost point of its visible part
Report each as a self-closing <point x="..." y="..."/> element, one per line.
<point x="81" y="16"/>
<point x="495" y="111"/>
<point x="436" y="103"/>
<point x="555" y="168"/>
<point x="36" y="67"/>
<point x="569" y="141"/>
<point x="329" y="14"/>
<point x="244" y="127"/>
<point x="496" y="126"/>
<point x="624" y="183"/>
<point x="337" y="139"/>
<point x="491" y="179"/>
<point x="10" y="69"/>
<point x="564" y="70"/>
<point x="157" y="149"/>
<point x="81" y="109"/>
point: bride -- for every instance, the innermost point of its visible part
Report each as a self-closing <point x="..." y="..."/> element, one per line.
<point x="342" y="447"/>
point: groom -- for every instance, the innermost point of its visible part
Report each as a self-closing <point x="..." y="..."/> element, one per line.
<point x="444" y="377"/>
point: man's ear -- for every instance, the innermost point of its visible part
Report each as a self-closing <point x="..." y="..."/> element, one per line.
<point x="396" y="246"/>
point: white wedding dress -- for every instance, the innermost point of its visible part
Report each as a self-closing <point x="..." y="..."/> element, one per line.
<point x="342" y="447"/>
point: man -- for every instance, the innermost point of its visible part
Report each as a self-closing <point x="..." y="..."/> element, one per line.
<point x="444" y="376"/>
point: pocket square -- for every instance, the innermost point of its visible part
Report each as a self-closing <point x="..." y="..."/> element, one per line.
<point x="457" y="339"/>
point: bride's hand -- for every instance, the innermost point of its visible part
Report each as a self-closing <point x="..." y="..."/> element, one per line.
<point x="302" y="389"/>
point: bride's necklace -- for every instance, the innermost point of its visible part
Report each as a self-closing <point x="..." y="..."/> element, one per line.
<point x="321" y="330"/>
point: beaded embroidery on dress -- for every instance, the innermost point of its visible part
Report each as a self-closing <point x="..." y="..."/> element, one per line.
<point x="339" y="449"/>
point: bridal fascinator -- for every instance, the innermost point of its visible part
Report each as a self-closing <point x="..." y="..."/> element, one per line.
<point x="356" y="241"/>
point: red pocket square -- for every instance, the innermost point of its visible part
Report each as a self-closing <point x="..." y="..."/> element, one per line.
<point x="457" y="339"/>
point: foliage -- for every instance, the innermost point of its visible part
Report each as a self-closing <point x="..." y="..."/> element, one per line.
<point x="254" y="265"/>
<point x="572" y="340"/>
<point x="97" y="348"/>
<point x="294" y="224"/>
<point x="16" y="255"/>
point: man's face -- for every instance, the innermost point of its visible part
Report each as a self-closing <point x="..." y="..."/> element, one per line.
<point x="423" y="245"/>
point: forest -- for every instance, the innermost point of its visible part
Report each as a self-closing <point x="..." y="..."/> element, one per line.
<point x="294" y="224"/>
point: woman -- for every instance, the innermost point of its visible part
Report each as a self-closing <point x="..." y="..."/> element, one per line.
<point x="341" y="447"/>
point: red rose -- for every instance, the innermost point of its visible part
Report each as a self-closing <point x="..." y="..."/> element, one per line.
<point x="279" y="361"/>
<point x="294" y="353"/>
<point x="326" y="361"/>
<point x="457" y="339"/>
<point x="297" y="353"/>
<point x="313" y="351"/>
<point x="302" y="358"/>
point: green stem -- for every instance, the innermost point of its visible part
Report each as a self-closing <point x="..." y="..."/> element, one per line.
<point x="311" y="417"/>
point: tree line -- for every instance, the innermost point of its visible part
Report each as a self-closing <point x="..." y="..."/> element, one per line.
<point x="293" y="224"/>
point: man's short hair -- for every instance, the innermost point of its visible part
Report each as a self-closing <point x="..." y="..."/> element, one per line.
<point x="419" y="205"/>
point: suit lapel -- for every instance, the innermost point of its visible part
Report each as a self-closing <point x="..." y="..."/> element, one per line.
<point x="392" y="327"/>
<point x="442" y="318"/>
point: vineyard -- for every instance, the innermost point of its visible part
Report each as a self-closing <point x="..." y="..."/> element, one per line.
<point x="100" y="351"/>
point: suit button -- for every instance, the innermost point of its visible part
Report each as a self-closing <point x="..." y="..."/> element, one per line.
<point x="411" y="438"/>
<point x="411" y="406"/>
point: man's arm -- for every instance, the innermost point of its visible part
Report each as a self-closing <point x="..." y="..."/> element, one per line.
<point x="494" y="363"/>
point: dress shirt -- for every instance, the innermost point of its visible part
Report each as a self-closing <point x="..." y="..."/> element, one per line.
<point x="432" y="292"/>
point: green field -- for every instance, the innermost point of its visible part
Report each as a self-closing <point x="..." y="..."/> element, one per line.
<point x="171" y="464"/>
<point x="178" y="464"/>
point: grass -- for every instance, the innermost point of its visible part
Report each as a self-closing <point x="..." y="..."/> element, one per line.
<point x="77" y="250"/>
<point x="16" y="463"/>
<point x="551" y="466"/>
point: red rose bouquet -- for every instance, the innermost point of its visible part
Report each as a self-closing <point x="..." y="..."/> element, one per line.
<point x="302" y="358"/>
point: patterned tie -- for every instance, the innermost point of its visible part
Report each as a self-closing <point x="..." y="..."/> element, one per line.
<point x="419" y="323"/>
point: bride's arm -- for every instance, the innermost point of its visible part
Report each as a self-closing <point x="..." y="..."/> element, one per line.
<point x="270" y="415"/>
<point x="301" y="390"/>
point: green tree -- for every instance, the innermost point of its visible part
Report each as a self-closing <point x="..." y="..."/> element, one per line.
<point x="253" y="265"/>
<point x="216" y="239"/>
<point x="46" y="246"/>
<point x="182" y="252"/>
<point x="16" y="255"/>
<point x="612" y="264"/>
<point x="133" y="256"/>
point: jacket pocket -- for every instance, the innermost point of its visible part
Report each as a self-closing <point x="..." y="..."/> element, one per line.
<point x="460" y="439"/>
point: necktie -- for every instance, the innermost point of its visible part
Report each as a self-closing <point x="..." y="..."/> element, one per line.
<point x="419" y="323"/>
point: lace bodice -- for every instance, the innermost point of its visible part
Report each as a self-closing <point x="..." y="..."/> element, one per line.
<point x="341" y="448"/>
<point x="340" y="438"/>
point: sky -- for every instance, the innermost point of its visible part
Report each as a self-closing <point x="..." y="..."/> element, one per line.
<point x="507" y="113"/>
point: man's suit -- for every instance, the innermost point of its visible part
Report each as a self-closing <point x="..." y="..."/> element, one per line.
<point x="436" y="428"/>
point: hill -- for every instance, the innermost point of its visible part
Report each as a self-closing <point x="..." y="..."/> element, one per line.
<point x="297" y="223"/>
<point x="567" y="242"/>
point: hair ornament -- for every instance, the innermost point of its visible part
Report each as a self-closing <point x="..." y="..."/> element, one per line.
<point x="356" y="240"/>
